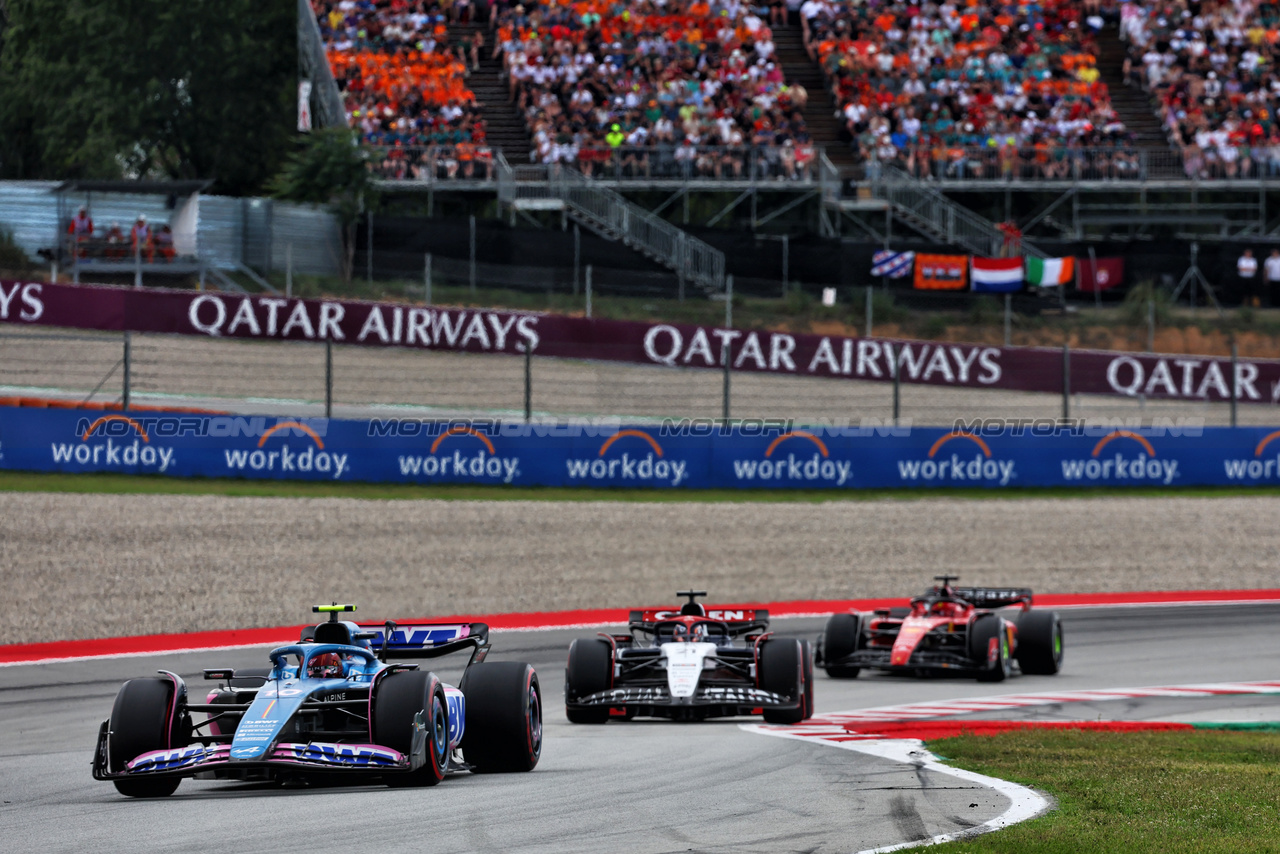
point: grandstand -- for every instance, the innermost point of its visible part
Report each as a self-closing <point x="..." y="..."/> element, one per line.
<point x="832" y="116"/>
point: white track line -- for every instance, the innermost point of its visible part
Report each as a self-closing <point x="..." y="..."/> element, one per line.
<point x="832" y="730"/>
<point x="1024" y="803"/>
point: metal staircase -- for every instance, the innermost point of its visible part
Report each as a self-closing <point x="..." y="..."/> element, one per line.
<point x="610" y="215"/>
<point x="931" y="213"/>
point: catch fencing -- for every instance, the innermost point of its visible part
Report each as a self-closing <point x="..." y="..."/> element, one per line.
<point x="295" y="378"/>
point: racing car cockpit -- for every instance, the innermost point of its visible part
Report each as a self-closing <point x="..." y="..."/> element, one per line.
<point x="691" y="630"/>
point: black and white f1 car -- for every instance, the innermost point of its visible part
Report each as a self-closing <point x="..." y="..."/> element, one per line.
<point x="690" y="663"/>
<point x="329" y="706"/>
<point x="948" y="629"/>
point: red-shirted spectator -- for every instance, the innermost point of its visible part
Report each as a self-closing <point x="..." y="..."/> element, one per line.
<point x="81" y="230"/>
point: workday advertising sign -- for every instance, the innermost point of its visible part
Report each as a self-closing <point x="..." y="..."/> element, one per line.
<point x="607" y="454"/>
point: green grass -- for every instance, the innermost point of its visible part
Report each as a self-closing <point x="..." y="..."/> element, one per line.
<point x="125" y="484"/>
<point x="1129" y="793"/>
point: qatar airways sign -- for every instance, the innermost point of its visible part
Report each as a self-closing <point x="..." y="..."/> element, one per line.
<point x="233" y="316"/>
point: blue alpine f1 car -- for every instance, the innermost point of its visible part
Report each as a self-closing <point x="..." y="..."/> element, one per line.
<point x="330" y="706"/>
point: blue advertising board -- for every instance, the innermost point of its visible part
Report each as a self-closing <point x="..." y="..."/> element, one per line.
<point x="672" y="456"/>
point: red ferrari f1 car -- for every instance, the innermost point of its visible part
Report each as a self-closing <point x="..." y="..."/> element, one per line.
<point x="949" y="629"/>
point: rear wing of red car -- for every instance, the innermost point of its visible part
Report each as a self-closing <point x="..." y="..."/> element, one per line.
<point x="994" y="597"/>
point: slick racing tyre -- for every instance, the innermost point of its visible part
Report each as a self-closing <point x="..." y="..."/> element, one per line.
<point x="1039" y="649"/>
<point x="590" y="671"/>
<point x="140" y="722"/>
<point x="400" y="697"/>
<point x="504" y="717"/>
<point x="985" y="628"/>
<point x="781" y="670"/>
<point x="807" y="657"/>
<point x="838" y="641"/>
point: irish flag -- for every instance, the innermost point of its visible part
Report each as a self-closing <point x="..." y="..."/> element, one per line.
<point x="1051" y="272"/>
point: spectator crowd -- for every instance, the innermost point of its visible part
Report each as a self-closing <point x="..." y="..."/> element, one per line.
<point x="654" y="86"/>
<point x="977" y="89"/>
<point x="403" y="77"/>
<point x="1211" y="66"/>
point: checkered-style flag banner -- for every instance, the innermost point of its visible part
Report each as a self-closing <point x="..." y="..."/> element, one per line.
<point x="895" y="265"/>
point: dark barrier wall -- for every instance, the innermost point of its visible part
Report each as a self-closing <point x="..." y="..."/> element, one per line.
<point x="687" y="455"/>
<point x="671" y="345"/>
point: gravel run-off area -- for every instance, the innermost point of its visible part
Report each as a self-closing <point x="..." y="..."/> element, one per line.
<point x="84" y="566"/>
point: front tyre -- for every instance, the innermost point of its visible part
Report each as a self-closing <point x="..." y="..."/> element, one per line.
<point x="984" y="629"/>
<point x="840" y="640"/>
<point x="142" y="721"/>
<point x="504" y="717"/>
<point x="1039" y="643"/>
<point x="590" y="671"/>
<point x="406" y="703"/>
<point x="781" y="671"/>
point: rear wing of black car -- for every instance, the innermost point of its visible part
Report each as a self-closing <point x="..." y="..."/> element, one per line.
<point x="994" y="597"/>
<point x="741" y="621"/>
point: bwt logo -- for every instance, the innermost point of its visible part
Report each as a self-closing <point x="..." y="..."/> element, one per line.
<point x="1142" y="466"/>
<point x="955" y="465"/>
<point x="313" y="457"/>
<point x="484" y="464"/>
<point x="653" y="467"/>
<point x="140" y="453"/>
<point x="795" y="468"/>
<point x="1258" y="468"/>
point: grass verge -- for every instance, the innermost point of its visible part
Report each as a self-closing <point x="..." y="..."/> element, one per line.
<point x="125" y="484"/>
<point x="1128" y="793"/>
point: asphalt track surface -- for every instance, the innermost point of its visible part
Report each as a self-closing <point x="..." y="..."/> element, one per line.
<point x="636" y="787"/>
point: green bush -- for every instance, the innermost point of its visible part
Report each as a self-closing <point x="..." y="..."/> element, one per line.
<point x="1135" y="304"/>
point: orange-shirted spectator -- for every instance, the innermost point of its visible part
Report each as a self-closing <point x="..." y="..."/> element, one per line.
<point x="163" y="243"/>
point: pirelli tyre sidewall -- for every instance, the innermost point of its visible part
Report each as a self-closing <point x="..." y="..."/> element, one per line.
<point x="142" y="720"/>
<point x="984" y="628"/>
<point x="589" y="671"/>
<point x="781" y="670"/>
<point x="503" y="732"/>
<point x="1040" y="643"/>
<point x="840" y="640"/>
<point x="398" y="701"/>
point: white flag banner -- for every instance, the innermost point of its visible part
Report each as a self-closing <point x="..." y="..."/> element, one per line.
<point x="304" y="106"/>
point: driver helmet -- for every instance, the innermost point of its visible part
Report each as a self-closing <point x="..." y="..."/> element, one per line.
<point x="326" y="665"/>
<point x="698" y="633"/>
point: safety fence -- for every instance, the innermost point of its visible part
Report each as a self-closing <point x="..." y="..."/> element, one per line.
<point x="673" y="455"/>
<point x="277" y="354"/>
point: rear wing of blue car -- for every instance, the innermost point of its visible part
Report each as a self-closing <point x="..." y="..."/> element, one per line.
<point x="425" y="640"/>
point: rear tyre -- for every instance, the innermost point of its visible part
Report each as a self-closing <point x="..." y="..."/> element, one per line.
<point x="504" y="717"/>
<point x="838" y="641"/>
<point x="140" y="723"/>
<point x="781" y="670"/>
<point x="807" y="674"/>
<point x="980" y="634"/>
<point x="401" y="697"/>
<point x="1039" y="643"/>
<point x="590" y="671"/>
